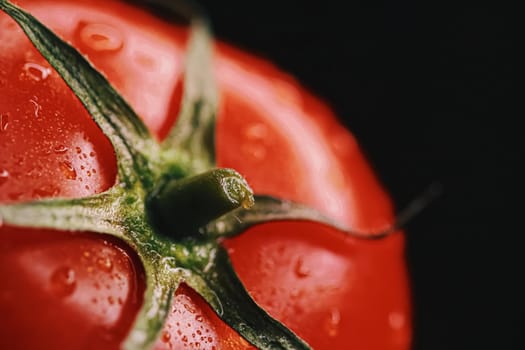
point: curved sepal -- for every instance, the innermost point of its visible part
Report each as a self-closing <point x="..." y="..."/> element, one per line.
<point x="192" y="139"/>
<point x="266" y="209"/>
<point x="98" y="213"/>
<point x="154" y="311"/>
<point x="129" y="136"/>
<point x="219" y="285"/>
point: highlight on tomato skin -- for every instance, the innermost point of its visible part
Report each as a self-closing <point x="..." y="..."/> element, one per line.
<point x="332" y="290"/>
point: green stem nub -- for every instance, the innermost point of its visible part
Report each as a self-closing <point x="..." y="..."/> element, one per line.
<point x="180" y="207"/>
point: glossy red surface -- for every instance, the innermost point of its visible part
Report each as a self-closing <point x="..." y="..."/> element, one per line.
<point x="334" y="291"/>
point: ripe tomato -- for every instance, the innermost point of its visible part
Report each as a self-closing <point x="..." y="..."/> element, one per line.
<point x="83" y="290"/>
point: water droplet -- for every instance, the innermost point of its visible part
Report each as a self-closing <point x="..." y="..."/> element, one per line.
<point x="396" y="320"/>
<point x="300" y="269"/>
<point x="105" y="264"/>
<point x="4" y="121"/>
<point x="101" y="37"/>
<point x="45" y="192"/>
<point x="199" y="318"/>
<point x="60" y="149"/>
<point x="254" y="146"/>
<point x="190" y="308"/>
<point x="256" y="131"/>
<point x="332" y="323"/>
<point x="68" y="170"/>
<point x="36" y="105"/>
<point x="166" y="336"/>
<point x="63" y="281"/>
<point x="36" y="71"/>
<point x="4" y="175"/>
<point x="254" y="150"/>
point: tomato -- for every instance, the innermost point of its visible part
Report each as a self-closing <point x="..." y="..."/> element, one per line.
<point x="83" y="290"/>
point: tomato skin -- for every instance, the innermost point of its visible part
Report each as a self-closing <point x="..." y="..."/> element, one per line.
<point x="62" y="289"/>
<point x="348" y="294"/>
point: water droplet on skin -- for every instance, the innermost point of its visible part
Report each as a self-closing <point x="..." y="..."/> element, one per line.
<point x="60" y="149"/>
<point x="105" y="264"/>
<point x="4" y="175"/>
<point x="254" y="150"/>
<point x="332" y="323"/>
<point x="63" y="281"/>
<point x="4" y="121"/>
<point x="101" y="37"/>
<point x="255" y="136"/>
<point x="190" y="308"/>
<point x="256" y="131"/>
<point x="45" y="192"/>
<point x="68" y="170"/>
<point x="300" y="269"/>
<point x="36" y="105"/>
<point x="166" y="336"/>
<point x="396" y="320"/>
<point x="36" y="71"/>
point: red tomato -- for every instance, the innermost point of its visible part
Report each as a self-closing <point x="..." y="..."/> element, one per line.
<point x="71" y="290"/>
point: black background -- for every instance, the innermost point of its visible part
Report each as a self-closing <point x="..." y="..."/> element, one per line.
<point x="426" y="91"/>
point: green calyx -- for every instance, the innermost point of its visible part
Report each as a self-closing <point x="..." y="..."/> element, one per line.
<point x="170" y="203"/>
<point x="181" y="206"/>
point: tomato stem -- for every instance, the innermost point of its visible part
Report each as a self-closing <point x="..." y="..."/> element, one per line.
<point x="180" y="207"/>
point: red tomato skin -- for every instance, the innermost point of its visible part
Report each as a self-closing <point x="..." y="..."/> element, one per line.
<point x="335" y="292"/>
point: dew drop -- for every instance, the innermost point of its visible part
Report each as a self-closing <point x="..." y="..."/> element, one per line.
<point x="36" y="71"/>
<point x="105" y="264"/>
<point x="100" y="37"/>
<point x="36" y="106"/>
<point x="396" y="320"/>
<point x="254" y="146"/>
<point x="63" y="281"/>
<point x="4" y="121"/>
<point x="166" y="336"/>
<point x="4" y="175"/>
<point x="254" y="150"/>
<point x="190" y="308"/>
<point x="300" y="269"/>
<point x="332" y="323"/>
<point x="44" y="192"/>
<point x="256" y="131"/>
<point x="59" y="149"/>
<point x="68" y="170"/>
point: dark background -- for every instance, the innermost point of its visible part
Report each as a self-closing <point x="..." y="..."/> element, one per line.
<point x="425" y="90"/>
